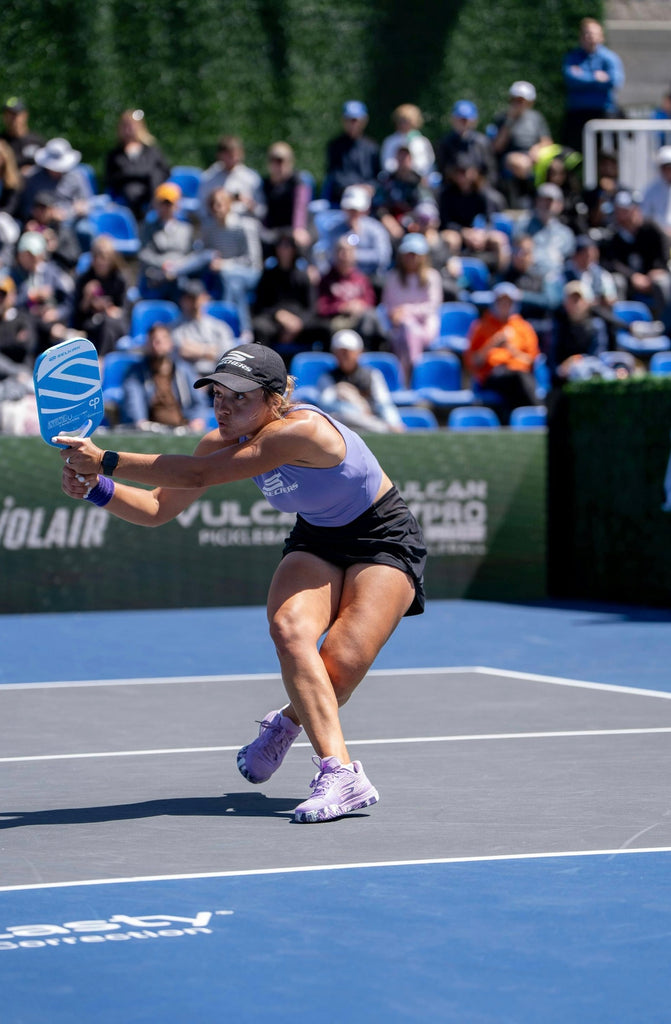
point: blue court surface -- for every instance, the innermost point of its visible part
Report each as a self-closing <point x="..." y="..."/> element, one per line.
<point x="516" y="869"/>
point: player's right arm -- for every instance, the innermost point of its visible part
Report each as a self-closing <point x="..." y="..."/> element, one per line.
<point x="136" y="504"/>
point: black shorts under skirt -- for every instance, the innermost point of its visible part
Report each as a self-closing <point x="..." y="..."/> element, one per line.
<point x="386" y="534"/>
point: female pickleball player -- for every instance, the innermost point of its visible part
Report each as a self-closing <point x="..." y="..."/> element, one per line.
<point x="352" y="565"/>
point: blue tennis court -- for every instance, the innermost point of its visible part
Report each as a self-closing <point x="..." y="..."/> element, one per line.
<point x="515" y="869"/>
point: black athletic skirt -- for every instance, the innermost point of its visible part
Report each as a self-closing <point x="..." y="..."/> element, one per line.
<point x="386" y="534"/>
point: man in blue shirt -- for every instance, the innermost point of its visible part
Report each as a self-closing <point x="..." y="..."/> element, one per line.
<point x="592" y="75"/>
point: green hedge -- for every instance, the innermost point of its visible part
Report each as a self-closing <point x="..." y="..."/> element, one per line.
<point x="267" y="70"/>
<point x="610" y="536"/>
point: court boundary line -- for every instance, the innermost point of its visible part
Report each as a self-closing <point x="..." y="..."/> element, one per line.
<point x="384" y="741"/>
<point x="311" y="868"/>
<point x="256" y="676"/>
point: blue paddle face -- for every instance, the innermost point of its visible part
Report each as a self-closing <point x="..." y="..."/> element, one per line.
<point x="68" y="390"/>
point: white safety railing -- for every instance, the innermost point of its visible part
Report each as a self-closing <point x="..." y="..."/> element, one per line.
<point x="635" y="140"/>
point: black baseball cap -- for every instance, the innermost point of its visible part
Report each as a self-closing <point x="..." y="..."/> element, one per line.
<point x="248" y="367"/>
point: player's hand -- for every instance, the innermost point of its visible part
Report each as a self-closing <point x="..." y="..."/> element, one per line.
<point x="76" y="485"/>
<point x="81" y="453"/>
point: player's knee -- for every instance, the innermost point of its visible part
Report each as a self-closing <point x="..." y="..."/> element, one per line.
<point x="289" y="631"/>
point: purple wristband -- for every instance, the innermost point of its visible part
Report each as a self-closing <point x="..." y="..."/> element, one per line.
<point x="102" y="492"/>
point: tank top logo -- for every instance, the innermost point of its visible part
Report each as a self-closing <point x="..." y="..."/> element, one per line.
<point x="273" y="485"/>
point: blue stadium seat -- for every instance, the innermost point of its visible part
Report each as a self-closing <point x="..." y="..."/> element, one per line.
<point x="630" y="310"/>
<point x="307" y="367"/>
<point x="436" y="379"/>
<point x="418" y="418"/>
<point x="115" y="366"/>
<point x="150" y="311"/>
<point x="660" y="364"/>
<point x="476" y="273"/>
<point x="188" y="178"/>
<point x="119" y="223"/>
<point x="455" y="321"/>
<point x="476" y="417"/>
<point x="388" y="364"/>
<point x="227" y="312"/>
<point x="528" y="417"/>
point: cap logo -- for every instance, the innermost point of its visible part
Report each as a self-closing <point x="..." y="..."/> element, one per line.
<point x="237" y="359"/>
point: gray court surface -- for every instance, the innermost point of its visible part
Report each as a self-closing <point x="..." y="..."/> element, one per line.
<point x="138" y="778"/>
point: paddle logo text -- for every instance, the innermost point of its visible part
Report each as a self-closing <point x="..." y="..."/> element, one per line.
<point x="117" y="928"/>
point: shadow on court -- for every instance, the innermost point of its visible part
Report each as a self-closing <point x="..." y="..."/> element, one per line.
<point x="248" y="805"/>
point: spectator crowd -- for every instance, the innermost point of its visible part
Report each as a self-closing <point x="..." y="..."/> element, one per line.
<point x="367" y="260"/>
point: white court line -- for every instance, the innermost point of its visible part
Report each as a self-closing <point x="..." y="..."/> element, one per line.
<point x="387" y="741"/>
<point x="618" y="852"/>
<point x="275" y="676"/>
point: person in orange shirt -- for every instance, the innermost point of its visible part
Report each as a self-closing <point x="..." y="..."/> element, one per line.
<point x="501" y="353"/>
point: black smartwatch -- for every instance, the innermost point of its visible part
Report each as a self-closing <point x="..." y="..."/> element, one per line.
<point x="110" y="463"/>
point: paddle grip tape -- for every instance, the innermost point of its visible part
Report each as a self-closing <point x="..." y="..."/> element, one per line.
<point x="102" y="493"/>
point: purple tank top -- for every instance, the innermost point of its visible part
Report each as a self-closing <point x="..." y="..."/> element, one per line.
<point x="326" y="497"/>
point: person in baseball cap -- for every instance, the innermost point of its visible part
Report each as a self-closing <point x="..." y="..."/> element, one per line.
<point x="247" y="368"/>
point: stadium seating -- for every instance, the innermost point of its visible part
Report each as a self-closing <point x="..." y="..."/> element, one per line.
<point x="225" y="311"/>
<point x="476" y="417"/>
<point x="188" y="178"/>
<point x="455" y="321"/>
<point x="660" y="364"/>
<point x="119" y="223"/>
<point x="630" y="311"/>
<point x="436" y="379"/>
<point x="150" y="311"/>
<point x="418" y="418"/>
<point x="528" y="417"/>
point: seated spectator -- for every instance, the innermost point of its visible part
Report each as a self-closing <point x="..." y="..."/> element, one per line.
<point x="100" y="306"/>
<point x="17" y="334"/>
<point x="561" y="166"/>
<point x="200" y="339"/>
<point x="398" y="192"/>
<point x="656" y="201"/>
<point x="540" y="294"/>
<point x="62" y="243"/>
<point x="636" y="252"/>
<point x="11" y="182"/>
<point x="286" y="199"/>
<point x="9" y="236"/>
<point x="351" y="158"/>
<point x="554" y="242"/>
<point x="346" y="297"/>
<point x="16" y="132"/>
<point x="57" y="171"/>
<point x="136" y="166"/>
<point x="284" y="306"/>
<point x="464" y="140"/>
<point x="159" y="389"/>
<point x="412" y="296"/>
<point x="371" y="239"/>
<point x="44" y="290"/>
<point x="425" y="220"/>
<point x="599" y="199"/>
<point x="231" y="255"/>
<point x="465" y="207"/>
<point x="577" y="333"/>
<point x="229" y="171"/>
<point x="408" y="122"/>
<point x="357" y="395"/>
<point x="166" y="242"/>
<point x="521" y="132"/>
<point x="584" y="266"/>
<point x="501" y="353"/>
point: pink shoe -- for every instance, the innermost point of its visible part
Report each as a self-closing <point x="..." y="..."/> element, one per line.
<point x="337" y="790"/>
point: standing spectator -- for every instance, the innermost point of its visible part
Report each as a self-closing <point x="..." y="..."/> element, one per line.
<point x="230" y="171"/>
<point x="636" y="252"/>
<point x="44" y="290"/>
<point x="521" y="133"/>
<point x="166" y="242"/>
<point x="656" y="202"/>
<point x="501" y="353"/>
<point x="355" y="394"/>
<point x="370" y="238"/>
<point x="100" y="306"/>
<point x="412" y="296"/>
<point x="463" y="138"/>
<point x="351" y="158"/>
<point x="346" y="297"/>
<point x="200" y="339"/>
<point x="592" y="76"/>
<point x="11" y="182"/>
<point x="136" y="166"/>
<point x="159" y="389"/>
<point x="408" y="122"/>
<point x="283" y="309"/>
<point x="24" y="143"/>
<point x="286" y="199"/>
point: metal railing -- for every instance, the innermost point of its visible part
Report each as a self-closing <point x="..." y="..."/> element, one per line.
<point x="634" y="140"/>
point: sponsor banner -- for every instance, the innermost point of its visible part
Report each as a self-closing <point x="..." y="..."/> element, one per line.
<point x="480" y="499"/>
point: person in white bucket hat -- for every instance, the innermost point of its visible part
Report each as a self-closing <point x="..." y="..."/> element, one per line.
<point x="58" y="171"/>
